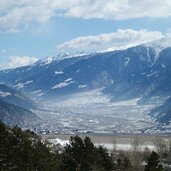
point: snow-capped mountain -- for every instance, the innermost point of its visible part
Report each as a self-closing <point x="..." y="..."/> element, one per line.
<point x="59" y="57"/>
<point x="81" y="73"/>
<point x="160" y="44"/>
<point x="139" y="72"/>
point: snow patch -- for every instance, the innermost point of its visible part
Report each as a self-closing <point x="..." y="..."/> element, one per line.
<point x="160" y="44"/>
<point x="44" y="61"/>
<point x="59" y="72"/>
<point x="66" y="83"/>
<point x="67" y="80"/>
<point x="28" y="82"/>
<point x="40" y="94"/>
<point x="22" y="85"/>
<point x="36" y="91"/>
<point x="126" y="62"/>
<point x="59" y="57"/>
<point x="61" y="85"/>
<point x="153" y="73"/>
<point x="163" y="66"/>
<point x="82" y="86"/>
<point x="112" y="82"/>
<point x="5" y="94"/>
<point x="58" y="141"/>
<point x="78" y="71"/>
<point x="62" y="56"/>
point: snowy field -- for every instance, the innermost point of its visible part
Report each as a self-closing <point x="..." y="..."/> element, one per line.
<point x="93" y="112"/>
<point x="109" y="146"/>
<point x="119" y="142"/>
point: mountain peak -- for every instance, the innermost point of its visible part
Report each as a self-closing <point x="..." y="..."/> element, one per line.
<point x="160" y="44"/>
<point x="60" y="56"/>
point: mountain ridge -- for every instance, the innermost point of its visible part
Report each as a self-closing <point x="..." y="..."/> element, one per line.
<point x="123" y="74"/>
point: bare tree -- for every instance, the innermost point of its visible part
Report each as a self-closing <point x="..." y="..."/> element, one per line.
<point x="146" y="153"/>
<point x="169" y="153"/>
<point x="114" y="150"/>
<point x="160" y="146"/>
<point x="136" y="152"/>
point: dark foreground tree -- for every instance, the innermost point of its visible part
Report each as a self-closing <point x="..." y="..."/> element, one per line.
<point x="24" y="150"/>
<point x="104" y="159"/>
<point x="153" y="163"/>
<point x="82" y="155"/>
<point x="123" y="164"/>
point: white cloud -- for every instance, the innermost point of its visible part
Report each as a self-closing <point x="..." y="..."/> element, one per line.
<point x="120" y="9"/>
<point x="120" y="39"/>
<point x="17" y="61"/>
<point x="21" y="13"/>
<point x="8" y="50"/>
<point x="18" y="16"/>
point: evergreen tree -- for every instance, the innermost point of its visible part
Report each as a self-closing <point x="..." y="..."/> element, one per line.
<point x="105" y="160"/>
<point x="23" y="150"/>
<point x="123" y="164"/>
<point x="153" y="163"/>
<point x="78" y="155"/>
<point x="82" y="155"/>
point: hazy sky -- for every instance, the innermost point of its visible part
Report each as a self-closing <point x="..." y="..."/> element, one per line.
<point x="31" y="29"/>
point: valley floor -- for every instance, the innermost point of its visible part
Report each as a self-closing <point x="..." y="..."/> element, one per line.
<point x="93" y="112"/>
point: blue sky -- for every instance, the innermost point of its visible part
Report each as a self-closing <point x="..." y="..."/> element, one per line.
<point x="31" y="29"/>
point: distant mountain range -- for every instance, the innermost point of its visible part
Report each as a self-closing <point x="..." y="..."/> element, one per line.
<point x="143" y="71"/>
<point x="53" y="77"/>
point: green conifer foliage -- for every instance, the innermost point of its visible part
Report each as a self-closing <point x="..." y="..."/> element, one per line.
<point x="153" y="163"/>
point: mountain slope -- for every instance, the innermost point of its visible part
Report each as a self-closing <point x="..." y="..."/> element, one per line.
<point x="59" y="77"/>
<point x="15" y="97"/>
<point x="15" y="107"/>
<point x="15" y="115"/>
<point x="162" y="114"/>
